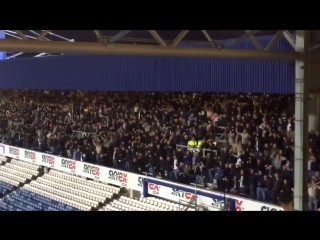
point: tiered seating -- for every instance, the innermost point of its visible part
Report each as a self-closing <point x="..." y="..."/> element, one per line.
<point x="84" y="182"/>
<point x="71" y="190"/>
<point x="82" y="188"/>
<point x="17" y="172"/>
<point x="3" y="159"/>
<point x="5" y="187"/>
<point x="30" y="166"/>
<point x="22" y="169"/>
<point x="22" y="175"/>
<point x="143" y="204"/>
<point x="58" y="199"/>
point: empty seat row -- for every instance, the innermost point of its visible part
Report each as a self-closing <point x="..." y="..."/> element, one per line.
<point x="110" y="208"/>
<point x="22" y="169"/>
<point x="15" y="172"/>
<point x="24" y="193"/>
<point x="163" y="203"/>
<point x="143" y="205"/>
<point x="30" y="166"/>
<point x="33" y="203"/>
<point x="61" y="199"/>
<point x="82" y="181"/>
<point x="12" y="177"/>
<point x="123" y="206"/>
<point x="77" y="185"/>
<point x="66" y="195"/>
<point x="10" y="181"/>
<point x="6" y="185"/>
<point x="94" y="198"/>
<point x="8" y="207"/>
<point x="21" y="205"/>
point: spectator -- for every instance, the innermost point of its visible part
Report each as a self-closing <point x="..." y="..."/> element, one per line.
<point x="312" y="192"/>
<point x="186" y="137"/>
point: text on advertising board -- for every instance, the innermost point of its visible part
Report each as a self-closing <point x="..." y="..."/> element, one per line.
<point x="119" y="176"/>
<point x="154" y="188"/>
<point x="14" y="151"/>
<point x="248" y="205"/>
<point x="135" y="181"/>
<point x="68" y="164"/>
<point x="47" y="159"/>
<point x="266" y="208"/>
<point x="182" y="194"/>
<point x="30" y="155"/>
<point x="91" y="170"/>
<point x="239" y="205"/>
<point x="140" y="181"/>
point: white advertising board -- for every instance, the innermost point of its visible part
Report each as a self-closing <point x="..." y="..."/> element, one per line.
<point x="249" y="205"/>
<point x="131" y="180"/>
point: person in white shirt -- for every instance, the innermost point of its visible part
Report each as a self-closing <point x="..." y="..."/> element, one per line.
<point x="312" y="192"/>
<point x="175" y="168"/>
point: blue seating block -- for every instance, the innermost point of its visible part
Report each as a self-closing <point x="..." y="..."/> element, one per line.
<point x="47" y="201"/>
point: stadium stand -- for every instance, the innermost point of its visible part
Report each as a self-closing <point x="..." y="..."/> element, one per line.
<point x="24" y="187"/>
<point x="239" y="144"/>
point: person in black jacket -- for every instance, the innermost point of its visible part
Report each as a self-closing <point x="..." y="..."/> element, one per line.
<point x="285" y="186"/>
<point x="161" y="167"/>
<point x="268" y="187"/>
<point x="243" y="183"/>
<point x="169" y="169"/>
<point x="252" y="184"/>
<point x="276" y="188"/>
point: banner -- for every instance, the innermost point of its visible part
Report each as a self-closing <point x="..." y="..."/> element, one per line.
<point x="249" y="205"/>
<point x="213" y="201"/>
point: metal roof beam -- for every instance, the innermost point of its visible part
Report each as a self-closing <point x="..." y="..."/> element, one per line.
<point x="274" y="40"/>
<point x="289" y="38"/>
<point x="180" y="36"/>
<point x="21" y="35"/>
<point x="210" y="40"/>
<point x="239" y="39"/>
<point x="43" y="34"/>
<point x="157" y="37"/>
<point x="12" y="45"/>
<point x="119" y="36"/>
<point x="254" y="40"/>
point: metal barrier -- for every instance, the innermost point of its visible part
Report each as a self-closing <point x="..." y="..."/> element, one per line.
<point x="83" y="134"/>
<point x="184" y="148"/>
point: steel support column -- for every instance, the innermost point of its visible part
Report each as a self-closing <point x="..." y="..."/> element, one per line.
<point x="12" y="45"/>
<point x="301" y="124"/>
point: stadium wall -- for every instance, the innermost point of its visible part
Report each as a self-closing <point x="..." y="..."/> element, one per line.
<point x="146" y="73"/>
<point x="2" y="36"/>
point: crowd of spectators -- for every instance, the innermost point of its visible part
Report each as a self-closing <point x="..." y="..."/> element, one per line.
<point x="238" y="143"/>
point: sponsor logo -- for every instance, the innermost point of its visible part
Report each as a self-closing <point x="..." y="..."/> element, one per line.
<point x="239" y="205"/>
<point x="182" y="194"/>
<point x="30" y="155"/>
<point x="2" y="149"/>
<point x="14" y="151"/>
<point x="255" y="207"/>
<point x="47" y="159"/>
<point x="92" y="170"/>
<point x="68" y="164"/>
<point x="153" y="188"/>
<point x="266" y="208"/>
<point x="220" y="204"/>
<point x="119" y="177"/>
<point x="140" y="181"/>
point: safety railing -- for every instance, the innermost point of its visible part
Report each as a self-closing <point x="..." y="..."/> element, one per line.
<point x="203" y="151"/>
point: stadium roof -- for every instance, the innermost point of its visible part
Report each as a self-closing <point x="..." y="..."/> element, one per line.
<point x="137" y="37"/>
